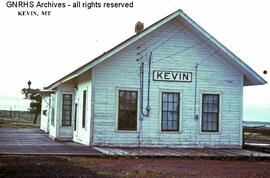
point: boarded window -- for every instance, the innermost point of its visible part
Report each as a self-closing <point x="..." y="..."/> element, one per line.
<point x="84" y="109"/>
<point x="210" y="112"/>
<point x="170" y="111"/>
<point x="67" y="110"/>
<point x="127" y="110"/>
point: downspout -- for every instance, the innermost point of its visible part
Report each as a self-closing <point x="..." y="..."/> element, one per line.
<point x="196" y="116"/>
<point x="148" y="108"/>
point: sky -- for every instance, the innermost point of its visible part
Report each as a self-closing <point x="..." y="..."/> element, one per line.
<point x="45" y="48"/>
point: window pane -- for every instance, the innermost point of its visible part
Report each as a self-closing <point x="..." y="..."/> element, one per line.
<point x="205" y="106"/>
<point x="170" y="97"/>
<point x="134" y="101"/>
<point x="121" y="105"/>
<point x="210" y="112"/>
<point x="214" y="126"/>
<point x="216" y="99"/>
<point x="164" y="125"/>
<point x="66" y="109"/>
<point x="215" y="108"/>
<point x="209" y="125"/>
<point x="170" y="125"/>
<point x="170" y="106"/>
<point x="164" y="97"/>
<point x="170" y="116"/>
<point x="175" y="126"/>
<point x="121" y="95"/>
<point x="176" y="97"/>
<point x="175" y="116"/>
<point x="210" y="98"/>
<point x="164" y="116"/>
<point x="175" y="107"/>
<point x="205" y="99"/>
<point x="127" y="113"/>
<point x="165" y="108"/>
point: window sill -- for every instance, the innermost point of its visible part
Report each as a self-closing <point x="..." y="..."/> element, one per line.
<point x="212" y="133"/>
<point x="170" y="132"/>
<point x="127" y="131"/>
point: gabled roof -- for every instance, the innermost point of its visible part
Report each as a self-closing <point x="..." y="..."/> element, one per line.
<point x="251" y="77"/>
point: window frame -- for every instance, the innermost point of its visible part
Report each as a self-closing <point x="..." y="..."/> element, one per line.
<point x="117" y="109"/>
<point x="178" y="112"/>
<point x="75" y="117"/>
<point x="169" y="90"/>
<point x="62" y="109"/>
<point x="219" y="113"/>
<point x="52" y="110"/>
<point x="84" y="107"/>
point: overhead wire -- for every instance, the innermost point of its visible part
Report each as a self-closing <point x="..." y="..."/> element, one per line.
<point x="153" y="43"/>
<point x="207" y="57"/>
<point x="182" y="50"/>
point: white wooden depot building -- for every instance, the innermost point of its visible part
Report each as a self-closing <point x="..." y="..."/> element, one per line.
<point x="170" y="85"/>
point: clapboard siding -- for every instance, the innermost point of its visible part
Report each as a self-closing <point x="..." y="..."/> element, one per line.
<point x="214" y="75"/>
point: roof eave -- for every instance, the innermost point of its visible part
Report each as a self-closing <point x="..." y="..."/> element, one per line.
<point x="251" y="74"/>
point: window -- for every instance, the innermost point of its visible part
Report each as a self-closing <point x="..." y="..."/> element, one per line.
<point x="84" y="109"/>
<point x="170" y="111"/>
<point x="127" y="110"/>
<point x="67" y="110"/>
<point x="75" y="117"/>
<point x="210" y="112"/>
<point x="52" y="110"/>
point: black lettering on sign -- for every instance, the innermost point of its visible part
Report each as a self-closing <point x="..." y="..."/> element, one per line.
<point x="172" y="76"/>
<point x="185" y="77"/>
<point x="166" y="75"/>
<point x="159" y="75"/>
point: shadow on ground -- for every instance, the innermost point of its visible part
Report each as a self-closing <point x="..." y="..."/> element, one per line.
<point x="42" y="167"/>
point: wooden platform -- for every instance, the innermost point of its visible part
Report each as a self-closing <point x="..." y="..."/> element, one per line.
<point x="182" y="152"/>
<point x="36" y="142"/>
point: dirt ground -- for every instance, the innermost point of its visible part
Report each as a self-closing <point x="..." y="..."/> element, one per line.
<point x="84" y="167"/>
<point x="173" y="167"/>
<point x="42" y="167"/>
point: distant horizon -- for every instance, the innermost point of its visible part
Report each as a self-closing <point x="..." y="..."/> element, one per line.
<point x="23" y="105"/>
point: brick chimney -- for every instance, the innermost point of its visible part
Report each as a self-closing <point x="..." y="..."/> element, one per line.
<point x="139" y="27"/>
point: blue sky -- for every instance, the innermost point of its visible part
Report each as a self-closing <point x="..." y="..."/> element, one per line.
<point x="43" y="49"/>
